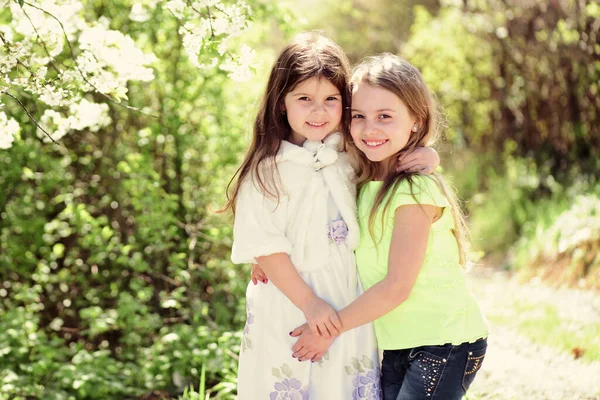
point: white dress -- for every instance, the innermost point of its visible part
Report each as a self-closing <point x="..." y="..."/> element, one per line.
<point x="315" y="223"/>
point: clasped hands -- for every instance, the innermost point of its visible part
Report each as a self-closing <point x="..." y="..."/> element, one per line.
<point x="320" y="330"/>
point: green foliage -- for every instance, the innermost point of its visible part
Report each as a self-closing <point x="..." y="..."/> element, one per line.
<point x="499" y="212"/>
<point x="509" y="73"/>
<point x="564" y="246"/>
<point x="114" y="266"/>
<point x="115" y="274"/>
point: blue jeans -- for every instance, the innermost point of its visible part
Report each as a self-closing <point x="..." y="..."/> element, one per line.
<point x="431" y="372"/>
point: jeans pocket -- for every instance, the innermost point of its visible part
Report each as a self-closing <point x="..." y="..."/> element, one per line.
<point x="426" y="368"/>
<point x="475" y="357"/>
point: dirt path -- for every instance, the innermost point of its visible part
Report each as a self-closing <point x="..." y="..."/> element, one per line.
<point x="517" y="368"/>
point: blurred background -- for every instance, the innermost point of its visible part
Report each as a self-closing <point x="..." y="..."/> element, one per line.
<point x="122" y="121"/>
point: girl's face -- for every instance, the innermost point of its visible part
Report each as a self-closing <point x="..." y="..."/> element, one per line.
<point x="381" y="122"/>
<point x="314" y="110"/>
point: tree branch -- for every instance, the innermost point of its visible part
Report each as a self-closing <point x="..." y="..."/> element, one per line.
<point x="41" y="40"/>
<point x="29" y="115"/>
<point x="79" y="69"/>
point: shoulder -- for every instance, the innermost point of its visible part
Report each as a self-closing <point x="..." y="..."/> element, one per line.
<point x="420" y="189"/>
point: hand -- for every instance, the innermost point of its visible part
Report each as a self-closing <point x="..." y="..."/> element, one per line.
<point x="258" y="275"/>
<point x="423" y="159"/>
<point x="309" y="346"/>
<point x="322" y="318"/>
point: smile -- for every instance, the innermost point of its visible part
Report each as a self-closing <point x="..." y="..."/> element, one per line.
<point x="316" y="124"/>
<point x="375" y="143"/>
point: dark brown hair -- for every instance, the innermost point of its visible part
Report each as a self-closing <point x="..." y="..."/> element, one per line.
<point x="308" y="55"/>
<point x="396" y="75"/>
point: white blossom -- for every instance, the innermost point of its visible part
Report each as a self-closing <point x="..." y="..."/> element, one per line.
<point x="139" y="13"/>
<point x="53" y="123"/>
<point x="53" y="96"/>
<point x="193" y="39"/>
<point x="9" y="128"/>
<point x="240" y="70"/>
<point x="105" y="60"/>
<point x="88" y="115"/>
<point x="177" y="7"/>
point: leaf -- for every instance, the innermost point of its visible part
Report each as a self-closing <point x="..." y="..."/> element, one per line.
<point x="367" y="362"/>
<point x="276" y="373"/>
<point x="349" y="370"/>
<point x="202" y="379"/>
<point x="287" y="371"/>
<point x="21" y="2"/>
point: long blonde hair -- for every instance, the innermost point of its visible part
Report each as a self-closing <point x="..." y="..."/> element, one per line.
<point x="396" y="75"/>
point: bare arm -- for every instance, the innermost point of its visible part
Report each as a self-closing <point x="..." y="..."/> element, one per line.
<point x="320" y="316"/>
<point x="404" y="263"/>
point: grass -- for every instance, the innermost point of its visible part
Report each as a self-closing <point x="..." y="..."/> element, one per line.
<point x="542" y="324"/>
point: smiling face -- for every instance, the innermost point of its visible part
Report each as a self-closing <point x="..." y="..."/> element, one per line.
<point x="381" y="122"/>
<point x="314" y="110"/>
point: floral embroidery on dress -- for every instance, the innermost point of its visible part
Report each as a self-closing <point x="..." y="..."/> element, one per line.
<point x="324" y="359"/>
<point x="246" y="342"/>
<point x="288" y="387"/>
<point x="338" y="231"/>
<point x="366" y="380"/>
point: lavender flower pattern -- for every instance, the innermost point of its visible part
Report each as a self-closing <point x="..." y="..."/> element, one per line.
<point x="287" y="388"/>
<point x="246" y="342"/>
<point x="338" y="231"/>
<point x="367" y="386"/>
<point x="366" y="380"/>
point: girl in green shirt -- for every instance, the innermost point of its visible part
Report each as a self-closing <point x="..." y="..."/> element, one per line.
<point x="411" y="257"/>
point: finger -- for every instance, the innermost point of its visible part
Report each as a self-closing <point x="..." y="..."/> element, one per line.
<point x="424" y="171"/>
<point x="301" y="353"/>
<point x="307" y="356"/>
<point x="314" y="329"/>
<point x="330" y="329"/>
<point x="333" y="330"/>
<point x="254" y="280"/>
<point x="335" y="320"/>
<point x="260" y="275"/>
<point x="323" y="332"/>
<point x="296" y="348"/>
<point x="298" y="331"/>
<point x="407" y="165"/>
<point x="406" y="157"/>
<point x="317" y="357"/>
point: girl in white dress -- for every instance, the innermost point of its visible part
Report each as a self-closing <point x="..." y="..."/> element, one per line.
<point x="295" y="216"/>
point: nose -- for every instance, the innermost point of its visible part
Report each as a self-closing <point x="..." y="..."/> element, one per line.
<point x="370" y="128"/>
<point x="318" y="108"/>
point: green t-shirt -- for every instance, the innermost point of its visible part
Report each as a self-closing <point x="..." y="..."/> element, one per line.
<point x="440" y="308"/>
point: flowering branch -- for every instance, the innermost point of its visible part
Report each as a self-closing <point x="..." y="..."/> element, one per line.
<point x="79" y="69"/>
<point x="28" y="114"/>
